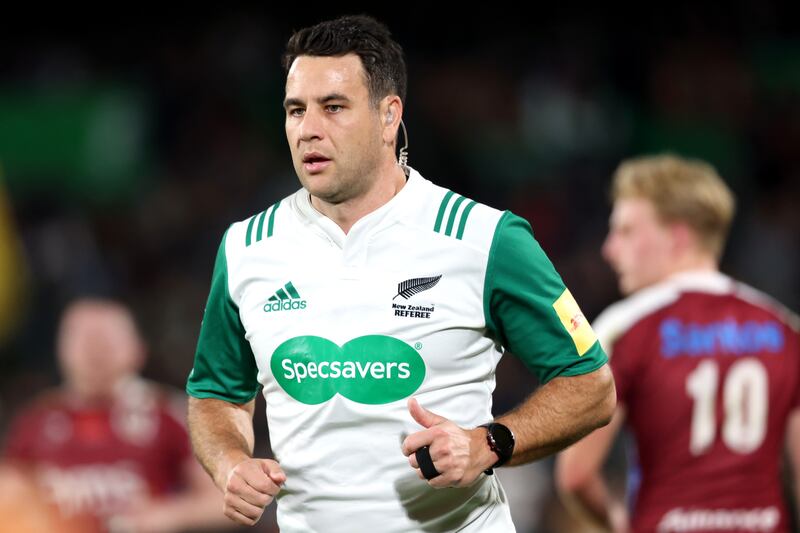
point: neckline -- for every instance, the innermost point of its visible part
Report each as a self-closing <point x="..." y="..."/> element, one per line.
<point x="366" y="224"/>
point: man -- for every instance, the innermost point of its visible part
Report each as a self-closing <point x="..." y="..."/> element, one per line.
<point x="108" y="445"/>
<point x="371" y="306"/>
<point x="706" y="368"/>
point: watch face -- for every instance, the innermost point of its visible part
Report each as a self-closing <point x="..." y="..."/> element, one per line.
<point x="503" y="438"/>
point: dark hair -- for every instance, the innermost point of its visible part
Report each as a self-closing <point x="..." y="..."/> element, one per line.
<point x="362" y="35"/>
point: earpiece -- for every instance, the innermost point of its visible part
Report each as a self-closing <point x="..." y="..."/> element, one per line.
<point x="389" y="116"/>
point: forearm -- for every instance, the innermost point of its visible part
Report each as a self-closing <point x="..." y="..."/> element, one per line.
<point x="594" y="500"/>
<point x="222" y="435"/>
<point x="185" y="512"/>
<point x="559" y="413"/>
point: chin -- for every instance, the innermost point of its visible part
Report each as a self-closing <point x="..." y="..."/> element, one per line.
<point x="626" y="287"/>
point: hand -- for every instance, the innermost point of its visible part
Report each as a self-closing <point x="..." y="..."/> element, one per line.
<point x="460" y="455"/>
<point x="251" y="485"/>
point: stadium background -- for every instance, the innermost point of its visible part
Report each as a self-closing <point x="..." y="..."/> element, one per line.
<point x="129" y="142"/>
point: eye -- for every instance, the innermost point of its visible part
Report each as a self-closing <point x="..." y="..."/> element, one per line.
<point x="296" y="112"/>
<point x="334" y="108"/>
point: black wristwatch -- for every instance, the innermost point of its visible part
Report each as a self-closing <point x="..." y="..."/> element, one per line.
<point x="501" y="442"/>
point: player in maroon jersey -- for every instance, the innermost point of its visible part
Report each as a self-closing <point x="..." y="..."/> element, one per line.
<point x="707" y="369"/>
<point x="108" y="444"/>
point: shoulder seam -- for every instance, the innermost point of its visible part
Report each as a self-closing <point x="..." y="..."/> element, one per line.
<point x="489" y="276"/>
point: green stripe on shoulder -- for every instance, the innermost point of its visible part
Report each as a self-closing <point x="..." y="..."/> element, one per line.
<point x="442" y="209"/>
<point x="451" y="220"/>
<point x="464" y="216"/>
<point x="248" y="235"/>
<point x="450" y="208"/>
<point x="250" y="238"/>
<point x="271" y="226"/>
<point x="260" y="230"/>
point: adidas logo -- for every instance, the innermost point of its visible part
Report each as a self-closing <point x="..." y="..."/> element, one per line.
<point x="285" y="299"/>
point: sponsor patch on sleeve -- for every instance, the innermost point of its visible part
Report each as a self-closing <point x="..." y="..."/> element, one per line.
<point x="574" y="322"/>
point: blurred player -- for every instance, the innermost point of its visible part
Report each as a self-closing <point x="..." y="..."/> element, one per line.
<point x="107" y="444"/>
<point x="707" y="369"/>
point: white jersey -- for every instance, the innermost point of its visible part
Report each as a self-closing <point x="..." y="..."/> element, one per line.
<point x="417" y="299"/>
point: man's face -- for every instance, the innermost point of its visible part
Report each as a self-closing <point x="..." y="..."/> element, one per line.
<point x="639" y="246"/>
<point x="334" y="133"/>
<point x="98" y="347"/>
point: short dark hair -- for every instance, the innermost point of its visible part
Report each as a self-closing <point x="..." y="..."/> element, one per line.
<point x="381" y="56"/>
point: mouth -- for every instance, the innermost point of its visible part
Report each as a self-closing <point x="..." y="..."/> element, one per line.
<point x="314" y="162"/>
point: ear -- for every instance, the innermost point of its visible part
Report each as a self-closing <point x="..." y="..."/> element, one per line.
<point x="391" y="112"/>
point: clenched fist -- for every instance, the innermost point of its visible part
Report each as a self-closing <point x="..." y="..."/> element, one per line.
<point x="251" y="485"/>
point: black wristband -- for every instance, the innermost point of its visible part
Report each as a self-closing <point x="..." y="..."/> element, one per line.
<point x="425" y="462"/>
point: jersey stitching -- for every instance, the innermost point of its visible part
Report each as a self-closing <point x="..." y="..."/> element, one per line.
<point x="489" y="279"/>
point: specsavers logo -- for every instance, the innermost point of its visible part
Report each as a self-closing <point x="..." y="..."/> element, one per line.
<point x="373" y="369"/>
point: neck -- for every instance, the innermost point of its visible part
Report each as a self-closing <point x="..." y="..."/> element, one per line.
<point x="390" y="180"/>
<point x="700" y="261"/>
<point x="85" y="395"/>
<point x="80" y="398"/>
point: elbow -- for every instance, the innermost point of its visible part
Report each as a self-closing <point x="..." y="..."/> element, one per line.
<point x="607" y="397"/>
<point x="570" y="476"/>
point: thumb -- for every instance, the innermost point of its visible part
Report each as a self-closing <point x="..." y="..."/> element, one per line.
<point x="274" y="471"/>
<point x="422" y="416"/>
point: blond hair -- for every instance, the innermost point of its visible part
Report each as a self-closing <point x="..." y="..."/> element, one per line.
<point x="681" y="190"/>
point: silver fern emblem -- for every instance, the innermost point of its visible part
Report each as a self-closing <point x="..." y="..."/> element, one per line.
<point x="410" y="287"/>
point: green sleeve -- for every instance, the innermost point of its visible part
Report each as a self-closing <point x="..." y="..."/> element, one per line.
<point x="224" y="365"/>
<point x="529" y="310"/>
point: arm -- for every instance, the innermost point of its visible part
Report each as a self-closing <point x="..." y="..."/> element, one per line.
<point x="223" y="441"/>
<point x="530" y="312"/>
<point x="222" y="435"/>
<point x="580" y="482"/>
<point x="222" y="386"/>
<point x="557" y="414"/>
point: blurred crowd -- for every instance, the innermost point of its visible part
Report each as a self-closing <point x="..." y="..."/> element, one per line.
<point x="126" y="149"/>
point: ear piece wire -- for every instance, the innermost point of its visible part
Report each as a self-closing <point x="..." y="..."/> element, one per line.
<point x="402" y="158"/>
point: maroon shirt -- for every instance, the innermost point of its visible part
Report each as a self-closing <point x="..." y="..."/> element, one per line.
<point x="708" y="371"/>
<point x="102" y="459"/>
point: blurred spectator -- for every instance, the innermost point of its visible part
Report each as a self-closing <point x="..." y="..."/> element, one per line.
<point x="23" y="510"/>
<point x="108" y="445"/>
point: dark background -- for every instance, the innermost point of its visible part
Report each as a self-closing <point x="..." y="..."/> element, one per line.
<point x="131" y="139"/>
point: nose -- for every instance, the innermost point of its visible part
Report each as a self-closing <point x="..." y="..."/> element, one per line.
<point x="310" y="127"/>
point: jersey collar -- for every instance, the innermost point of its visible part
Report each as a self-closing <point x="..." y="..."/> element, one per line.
<point x="384" y="215"/>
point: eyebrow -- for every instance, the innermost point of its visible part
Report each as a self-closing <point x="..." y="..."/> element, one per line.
<point x="291" y="102"/>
